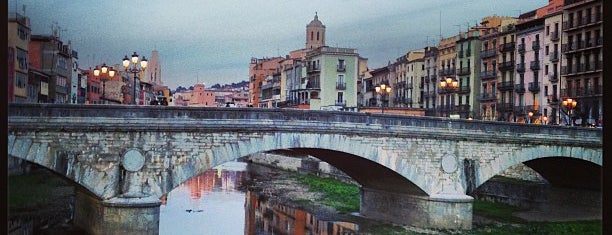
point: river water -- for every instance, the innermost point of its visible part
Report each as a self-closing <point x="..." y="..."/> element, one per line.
<point x="217" y="202"/>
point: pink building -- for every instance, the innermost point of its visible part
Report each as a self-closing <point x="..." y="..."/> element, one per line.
<point x="200" y="97"/>
<point x="529" y="76"/>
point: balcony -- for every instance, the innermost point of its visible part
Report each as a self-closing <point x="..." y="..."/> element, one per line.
<point x="487" y="97"/>
<point x="520" y="110"/>
<point x="521" y="48"/>
<point x="340" y="85"/>
<point x="554" y="56"/>
<point x="432" y="93"/>
<point x="468" y="52"/>
<point x="341" y="68"/>
<point x="520" y="68"/>
<point x="535" y="109"/>
<point x="313" y="69"/>
<point x="534" y="87"/>
<point x="340" y="102"/>
<point x="505" y="107"/>
<point x="509" y="46"/>
<point x="485" y="75"/>
<point x="463" y="71"/>
<point x="488" y="53"/>
<point x="554" y="36"/>
<point x="552" y="77"/>
<point x="535" y="45"/>
<point x="463" y="89"/>
<point x="534" y="65"/>
<point x="566" y="70"/>
<point x="505" y="85"/>
<point x="460" y="54"/>
<point x="433" y="78"/>
<point x="519" y="88"/>
<point x="506" y="65"/>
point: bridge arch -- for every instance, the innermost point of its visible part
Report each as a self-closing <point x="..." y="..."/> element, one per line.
<point x="371" y="166"/>
<point x="550" y="161"/>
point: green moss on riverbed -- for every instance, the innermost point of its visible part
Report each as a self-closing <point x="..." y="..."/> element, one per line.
<point x="33" y="189"/>
<point x="345" y="199"/>
<point x="341" y="196"/>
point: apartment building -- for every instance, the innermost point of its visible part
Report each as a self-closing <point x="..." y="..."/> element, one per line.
<point x="259" y="69"/>
<point x="582" y="60"/>
<point x="378" y="77"/>
<point x="529" y="36"/>
<point x="18" y="40"/>
<point x="332" y="75"/>
<point x="553" y="19"/>
<point x="415" y="78"/>
<point x="50" y="55"/>
<point x="469" y="93"/>
<point x="427" y="99"/>
<point x="447" y="56"/>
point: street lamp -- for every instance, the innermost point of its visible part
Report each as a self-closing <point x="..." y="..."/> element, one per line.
<point x="545" y="120"/>
<point x="383" y="90"/>
<point x="104" y="70"/>
<point x="449" y="85"/>
<point x="569" y="104"/>
<point x="133" y="68"/>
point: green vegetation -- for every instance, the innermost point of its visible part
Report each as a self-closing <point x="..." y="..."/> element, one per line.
<point x="552" y="228"/>
<point x="342" y="196"/>
<point x="32" y="189"/>
<point x="498" y="211"/>
<point x="345" y="198"/>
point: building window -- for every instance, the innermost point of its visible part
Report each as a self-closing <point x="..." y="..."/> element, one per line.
<point x="22" y="58"/>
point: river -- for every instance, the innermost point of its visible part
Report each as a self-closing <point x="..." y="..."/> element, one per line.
<point x="217" y="202"/>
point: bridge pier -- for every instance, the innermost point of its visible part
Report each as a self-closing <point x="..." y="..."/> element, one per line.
<point x="116" y="215"/>
<point x="448" y="211"/>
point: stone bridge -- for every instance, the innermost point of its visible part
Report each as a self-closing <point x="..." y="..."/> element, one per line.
<point x="412" y="170"/>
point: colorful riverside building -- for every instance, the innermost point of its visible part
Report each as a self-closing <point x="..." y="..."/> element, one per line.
<point x="447" y="55"/>
<point x="529" y="36"/>
<point x="315" y="77"/>
<point x="582" y="60"/>
<point x="553" y="21"/>
<point x="18" y="39"/>
<point x="470" y="92"/>
<point x="428" y="93"/>
<point x="496" y="84"/>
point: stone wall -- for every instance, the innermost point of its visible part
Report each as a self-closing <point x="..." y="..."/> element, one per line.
<point x="523" y="172"/>
<point x="303" y="164"/>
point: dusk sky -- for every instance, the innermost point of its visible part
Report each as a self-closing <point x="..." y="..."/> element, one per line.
<point x="213" y="41"/>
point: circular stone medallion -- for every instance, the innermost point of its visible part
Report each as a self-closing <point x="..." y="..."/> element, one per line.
<point x="449" y="163"/>
<point x="133" y="160"/>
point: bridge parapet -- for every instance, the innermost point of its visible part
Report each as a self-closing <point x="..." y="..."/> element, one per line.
<point x="163" y="118"/>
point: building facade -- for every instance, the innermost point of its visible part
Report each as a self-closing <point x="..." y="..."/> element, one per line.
<point x="582" y="61"/>
<point x="18" y="47"/>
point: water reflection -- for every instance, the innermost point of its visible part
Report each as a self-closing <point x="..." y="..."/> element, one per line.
<point x="214" y="203"/>
<point x="265" y="218"/>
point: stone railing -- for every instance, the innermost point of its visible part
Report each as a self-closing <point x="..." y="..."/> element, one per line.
<point x="125" y="118"/>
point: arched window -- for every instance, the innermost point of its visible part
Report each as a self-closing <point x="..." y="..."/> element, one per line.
<point x="311" y="35"/>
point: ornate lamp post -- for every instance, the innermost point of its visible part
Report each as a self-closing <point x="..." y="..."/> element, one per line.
<point x="133" y="68"/>
<point x="383" y="90"/>
<point x="569" y="104"/>
<point x="104" y="70"/>
<point x="545" y="120"/>
<point x="450" y="86"/>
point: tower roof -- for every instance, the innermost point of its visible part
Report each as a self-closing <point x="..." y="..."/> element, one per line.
<point x="316" y="22"/>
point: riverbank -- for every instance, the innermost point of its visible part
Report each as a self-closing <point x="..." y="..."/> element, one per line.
<point x="45" y="200"/>
<point x="294" y="189"/>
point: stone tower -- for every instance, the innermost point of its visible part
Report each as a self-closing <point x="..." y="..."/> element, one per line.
<point x="315" y="34"/>
<point x="153" y="71"/>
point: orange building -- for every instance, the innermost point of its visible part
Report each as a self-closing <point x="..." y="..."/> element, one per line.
<point x="259" y="69"/>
